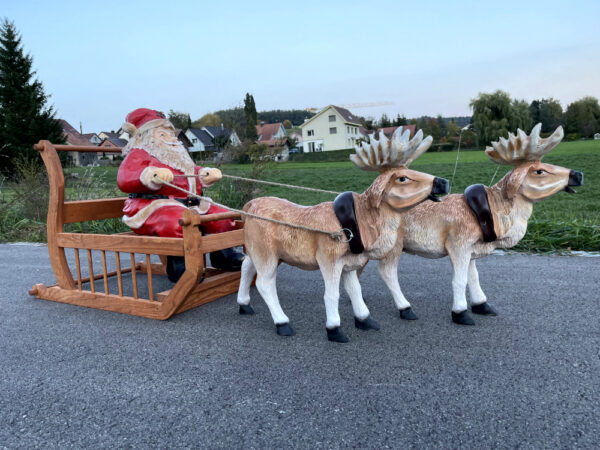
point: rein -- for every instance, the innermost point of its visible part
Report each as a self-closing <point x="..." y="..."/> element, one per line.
<point x="338" y="235"/>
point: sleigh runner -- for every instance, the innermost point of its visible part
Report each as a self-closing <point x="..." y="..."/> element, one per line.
<point x="199" y="283"/>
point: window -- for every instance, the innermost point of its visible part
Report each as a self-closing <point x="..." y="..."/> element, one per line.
<point x="310" y="133"/>
<point x="333" y="130"/>
<point x="332" y="118"/>
<point x="194" y="140"/>
<point x="347" y="129"/>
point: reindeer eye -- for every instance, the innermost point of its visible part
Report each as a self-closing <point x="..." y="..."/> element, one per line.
<point x="402" y="179"/>
<point x="539" y="172"/>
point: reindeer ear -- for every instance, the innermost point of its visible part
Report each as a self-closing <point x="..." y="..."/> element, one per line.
<point x="515" y="180"/>
<point x="375" y="192"/>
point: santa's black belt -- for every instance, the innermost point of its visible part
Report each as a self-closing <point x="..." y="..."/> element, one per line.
<point x="343" y="206"/>
<point x="189" y="201"/>
<point x="477" y="200"/>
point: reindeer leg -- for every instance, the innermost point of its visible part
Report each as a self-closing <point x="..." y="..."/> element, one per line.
<point x="362" y="318"/>
<point x="331" y="276"/>
<point x="266" y="285"/>
<point x="479" y="303"/>
<point x="388" y="271"/>
<point x="243" y="297"/>
<point x="460" y="263"/>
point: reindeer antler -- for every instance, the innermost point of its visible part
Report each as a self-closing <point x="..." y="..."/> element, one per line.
<point x="388" y="153"/>
<point x="521" y="148"/>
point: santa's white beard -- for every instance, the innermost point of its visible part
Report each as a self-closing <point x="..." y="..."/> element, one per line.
<point x="173" y="154"/>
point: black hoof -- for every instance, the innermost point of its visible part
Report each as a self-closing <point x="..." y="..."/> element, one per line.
<point x="285" y="329"/>
<point x="462" y="318"/>
<point x="246" y="310"/>
<point x="368" y="324"/>
<point x="227" y="259"/>
<point x="408" y="314"/>
<point x="336" y="335"/>
<point x="484" y="309"/>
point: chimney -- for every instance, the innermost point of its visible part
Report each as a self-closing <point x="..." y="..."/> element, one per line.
<point x="222" y="127"/>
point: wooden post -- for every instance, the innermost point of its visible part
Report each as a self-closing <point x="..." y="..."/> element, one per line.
<point x="91" y="271"/>
<point x="119" y="277"/>
<point x="149" y="272"/>
<point x="54" y="224"/>
<point x="133" y="275"/>
<point x="78" y="264"/>
<point x="104" y="272"/>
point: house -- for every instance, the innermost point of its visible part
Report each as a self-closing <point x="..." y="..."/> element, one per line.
<point x="332" y="128"/>
<point x="389" y="131"/>
<point x="200" y="139"/>
<point x="74" y="137"/>
<point x="203" y="139"/>
<point x="269" y="132"/>
<point x="181" y="137"/>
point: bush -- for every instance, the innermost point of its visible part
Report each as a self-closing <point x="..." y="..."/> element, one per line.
<point x="572" y="137"/>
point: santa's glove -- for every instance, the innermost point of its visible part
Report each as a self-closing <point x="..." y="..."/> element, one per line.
<point x="209" y="176"/>
<point x="153" y="177"/>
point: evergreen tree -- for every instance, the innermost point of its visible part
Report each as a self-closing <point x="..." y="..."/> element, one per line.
<point x="385" y="121"/>
<point x="24" y="116"/>
<point x="251" y="117"/>
<point x="400" y="121"/>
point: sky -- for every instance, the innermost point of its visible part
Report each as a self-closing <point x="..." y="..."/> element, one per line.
<point x="100" y="60"/>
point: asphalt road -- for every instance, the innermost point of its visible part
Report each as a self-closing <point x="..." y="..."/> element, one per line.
<point x="72" y="377"/>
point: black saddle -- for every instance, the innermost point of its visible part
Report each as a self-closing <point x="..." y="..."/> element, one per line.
<point x="343" y="206"/>
<point x="477" y="200"/>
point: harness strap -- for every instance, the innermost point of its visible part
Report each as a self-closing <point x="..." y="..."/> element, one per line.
<point x="343" y="206"/>
<point x="477" y="200"/>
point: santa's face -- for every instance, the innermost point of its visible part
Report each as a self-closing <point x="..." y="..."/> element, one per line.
<point x="165" y="135"/>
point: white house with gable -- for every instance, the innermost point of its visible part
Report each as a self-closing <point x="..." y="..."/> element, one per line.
<point x="332" y="128"/>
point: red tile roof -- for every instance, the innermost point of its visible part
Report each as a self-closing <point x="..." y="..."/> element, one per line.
<point x="73" y="136"/>
<point x="388" y="131"/>
<point x="265" y="132"/>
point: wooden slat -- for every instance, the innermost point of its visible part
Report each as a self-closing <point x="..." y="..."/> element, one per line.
<point x="133" y="275"/>
<point x="111" y="302"/>
<point x="84" y="210"/>
<point x="219" y="241"/>
<point x="104" y="274"/>
<point x="91" y="271"/>
<point x="86" y="149"/>
<point x="77" y="263"/>
<point x="119" y="277"/>
<point x="120" y="243"/>
<point x="149" y="273"/>
<point x="109" y="274"/>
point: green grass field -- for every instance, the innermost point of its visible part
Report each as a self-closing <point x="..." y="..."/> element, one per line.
<point x="562" y="222"/>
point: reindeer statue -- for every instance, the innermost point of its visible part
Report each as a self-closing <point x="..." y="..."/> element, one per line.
<point x="369" y="220"/>
<point x="470" y="226"/>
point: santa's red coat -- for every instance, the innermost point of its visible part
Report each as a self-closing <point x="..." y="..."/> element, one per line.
<point x="162" y="218"/>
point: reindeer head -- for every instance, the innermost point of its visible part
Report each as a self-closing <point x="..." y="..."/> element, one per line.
<point x="532" y="178"/>
<point x="398" y="186"/>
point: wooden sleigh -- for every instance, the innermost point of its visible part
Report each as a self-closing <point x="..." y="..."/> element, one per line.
<point x="198" y="285"/>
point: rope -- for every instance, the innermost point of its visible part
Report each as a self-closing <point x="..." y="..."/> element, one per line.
<point x="494" y="176"/>
<point x="456" y="163"/>
<point x="337" y="235"/>
<point x="291" y="186"/>
<point x="272" y="183"/>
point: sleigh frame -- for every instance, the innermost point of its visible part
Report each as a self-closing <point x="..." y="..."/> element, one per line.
<point x="199" y="284"/>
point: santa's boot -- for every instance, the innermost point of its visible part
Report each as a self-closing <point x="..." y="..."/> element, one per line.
<point x="227" y="259"/>
<point x="175" y="267"/>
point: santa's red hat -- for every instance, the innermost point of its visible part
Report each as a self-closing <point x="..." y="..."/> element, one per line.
<point x="143" y="119"/>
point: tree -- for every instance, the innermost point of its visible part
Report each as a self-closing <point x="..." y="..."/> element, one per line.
<point x="583" y="117"/>
<point x="385" y="121"/>
<point x="520" y="116"/>
<point x="548" y="112"/>
<point x="180" y="120"/>
<point x="441" y="124"/>
<point x="434" y="129"/>
<point x="287" y="124"/>
<point x="207" y="120"/>
<point x="495" y="114"/>
<point x="251" y="117"/>
<point x="24" y="116"/>
<point x="400" y="120"/>
<point x="453" y="129"/>
<point x="220" y="141"/>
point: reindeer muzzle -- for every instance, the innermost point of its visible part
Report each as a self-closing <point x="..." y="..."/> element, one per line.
<point x="441" y="186"/>
<point x="575" y="179"/>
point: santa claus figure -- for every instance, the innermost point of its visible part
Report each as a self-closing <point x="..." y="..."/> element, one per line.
<point x="153" y="155"/>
